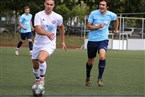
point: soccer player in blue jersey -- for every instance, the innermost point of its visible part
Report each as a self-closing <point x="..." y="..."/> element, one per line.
<point x="98" y="23"/>
<point x="25" y="24"/>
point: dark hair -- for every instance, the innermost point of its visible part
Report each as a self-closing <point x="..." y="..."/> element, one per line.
<point x="26" y="7"/>
<point x="107" y="2"/>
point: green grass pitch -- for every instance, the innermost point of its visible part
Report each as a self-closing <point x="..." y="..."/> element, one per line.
<point x="124" y="75"/>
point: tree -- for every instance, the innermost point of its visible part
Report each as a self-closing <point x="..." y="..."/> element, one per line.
<point x="118" y="6"/>
<point x="64" y="11"/>
<point x="80" y="10"/>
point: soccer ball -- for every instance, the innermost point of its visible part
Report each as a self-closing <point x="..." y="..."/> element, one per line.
<point x="38" y="90"/>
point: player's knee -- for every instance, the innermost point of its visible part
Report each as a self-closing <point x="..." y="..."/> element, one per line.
<point x="102" y="57"/>
<point x="90" y="61"/>
<point x="22" y="41"/>
<point x="102" y="54"/>
<point x="35" y="64"/>
<point x="41" y="60"/>
<point x="29" y="40"/>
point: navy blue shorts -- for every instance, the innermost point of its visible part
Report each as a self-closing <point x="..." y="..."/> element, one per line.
<point x="27" y="35"/>
<point x="94" y="47"/>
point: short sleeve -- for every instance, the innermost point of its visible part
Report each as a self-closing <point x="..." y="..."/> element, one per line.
<point x="114" y="16"/>
<point x="31" y="16"/>
<point x="60" y="20"/>
<point x="21" y="19"/>
<point x="90" y="19"/>
<point x="37" y="20"/>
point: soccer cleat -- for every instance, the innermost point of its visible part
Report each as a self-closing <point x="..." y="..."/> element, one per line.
<point x="17" y="51"/>
<point x="100" y="83"/>
<point x="30" y="52"/>
<point x="88" y="82"/>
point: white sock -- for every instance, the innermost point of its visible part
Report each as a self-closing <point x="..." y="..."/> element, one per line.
<point x="36" y="72"/>
<point x="42" y="69"/>
<point x="17" y="49"/>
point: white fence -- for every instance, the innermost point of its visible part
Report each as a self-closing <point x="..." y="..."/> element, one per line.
<point x="129" y="44"/>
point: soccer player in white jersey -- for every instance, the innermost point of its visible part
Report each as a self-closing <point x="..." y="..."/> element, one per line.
<point x="46" y="23"/>
<point x="25" y="24"/>
<point x="98" y="23"/>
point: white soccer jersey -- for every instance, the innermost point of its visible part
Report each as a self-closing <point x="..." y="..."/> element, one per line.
<point x="49" y="23"/>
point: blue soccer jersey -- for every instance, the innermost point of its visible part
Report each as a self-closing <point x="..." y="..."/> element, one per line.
<point x="26" y="22"/>
<point x="96" y="18"/>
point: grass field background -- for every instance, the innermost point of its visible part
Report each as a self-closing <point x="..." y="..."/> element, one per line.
<point x="124" y="75"/>
<point x="71" y="41"/>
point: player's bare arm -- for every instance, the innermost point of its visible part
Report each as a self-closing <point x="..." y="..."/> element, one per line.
<point x="21" y="26"/>
<point x="116" y="24"/>
<point x="41" y="31"/>
<point x="62" y="32"/>
<point x="31" y="26"/>
<point x="94" y="27"/>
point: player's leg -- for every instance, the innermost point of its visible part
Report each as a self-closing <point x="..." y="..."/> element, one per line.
<point x="45" y="52"/>
<point x="91" y="50"/>
<point x="36" y="71"/>
<point x="36" y="74"/>
<point x="38" y="62"/>
<point x="23" y="36"/>
<point x="29" y="37"/>
<point x="101" y="66"/>
<point x="89" y="66"/>
<point x="39" y="66"/>
<point x="42" y="62"/>
<point x="102" y="61"/>
<point x="42" y="69"/>
<point x="35" y="61"/>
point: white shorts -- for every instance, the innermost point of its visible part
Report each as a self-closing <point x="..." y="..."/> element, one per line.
<point x="47" y="47"/>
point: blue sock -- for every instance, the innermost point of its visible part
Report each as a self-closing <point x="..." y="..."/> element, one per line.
<point x="101" y="68"/>
<point x="88" y="69"/>
<point x="30" y="45"/>
<point x="19" y="44"/>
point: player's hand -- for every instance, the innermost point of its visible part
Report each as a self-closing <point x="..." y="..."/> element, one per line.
<point x="101" y="25"/>
<point x="25" y="28"/>
<point x="51" y="36"/>
<point x="63" y="46"/>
